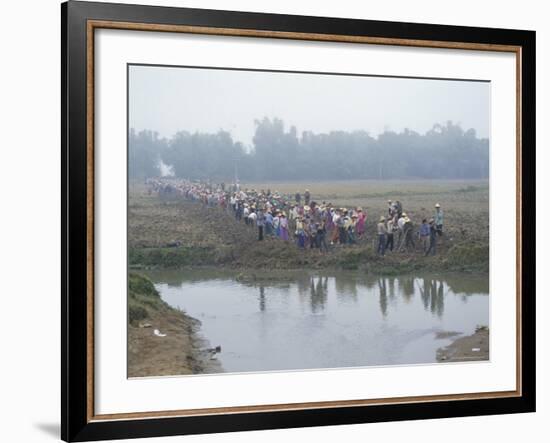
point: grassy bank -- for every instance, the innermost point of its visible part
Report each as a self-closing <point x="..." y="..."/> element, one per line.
<point x="180" y="234"/>
<point x="175" y="351"/>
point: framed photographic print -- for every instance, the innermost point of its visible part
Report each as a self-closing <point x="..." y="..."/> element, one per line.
<point x="276" y="221"/>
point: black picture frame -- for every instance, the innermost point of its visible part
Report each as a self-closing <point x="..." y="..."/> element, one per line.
<point x="76" y="424"/>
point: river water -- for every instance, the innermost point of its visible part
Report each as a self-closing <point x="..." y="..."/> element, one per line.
<point x="333" y="320"/>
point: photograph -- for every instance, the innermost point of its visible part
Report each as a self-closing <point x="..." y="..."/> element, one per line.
<point x="292" y="220"/>
<point x="299" y="219"/>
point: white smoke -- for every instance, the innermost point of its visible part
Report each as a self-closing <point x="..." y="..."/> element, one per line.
<point x="166" y="170"/>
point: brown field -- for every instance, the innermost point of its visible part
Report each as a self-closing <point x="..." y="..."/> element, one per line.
<point x="182" y="234"/>
<point x="417" y="196"/>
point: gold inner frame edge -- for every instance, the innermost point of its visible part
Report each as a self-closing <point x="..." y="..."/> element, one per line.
<point x="151" y="27"/>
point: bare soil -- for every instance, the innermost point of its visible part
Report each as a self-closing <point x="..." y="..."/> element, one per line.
<point x="473" y="347"/>
<point x="176" y="349"/>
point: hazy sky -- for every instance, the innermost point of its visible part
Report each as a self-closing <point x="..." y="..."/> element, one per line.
<point x="167" y="100"/>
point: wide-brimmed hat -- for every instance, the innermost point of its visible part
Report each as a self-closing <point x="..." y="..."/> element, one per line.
<point x="437" y="205"/>
<point x="382" y="219"/>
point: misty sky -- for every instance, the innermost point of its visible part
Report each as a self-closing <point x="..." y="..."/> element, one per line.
<point x="168" y="100"/>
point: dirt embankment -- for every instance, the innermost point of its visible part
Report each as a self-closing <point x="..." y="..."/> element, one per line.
<point x="179" y="234"/>
<point x="473" y="347"/>
<point x="162" y="340"/>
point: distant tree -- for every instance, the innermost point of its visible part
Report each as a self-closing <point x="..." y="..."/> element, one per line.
<point x="203" y="156"/>
<point x="144" y="153"/>
<point x="445" y="151"/>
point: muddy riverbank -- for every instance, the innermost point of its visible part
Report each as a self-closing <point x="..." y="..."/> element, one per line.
<point x="473" y="347"/>
<point x="163" y="340"/>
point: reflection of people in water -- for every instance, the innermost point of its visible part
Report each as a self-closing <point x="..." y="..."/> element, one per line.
<point x="319" y="293"/>
<point x="391" y="286"/>
<point x="383" y="296"/>
<point x="425" y="293"/>
<point x="440" y="299"/>
<point x="433" y="296"/>
<point x="407" y="286"/>
<point x="303" y="283"/>
<point x="345" y="286"/>
<point x="262" y="298"/>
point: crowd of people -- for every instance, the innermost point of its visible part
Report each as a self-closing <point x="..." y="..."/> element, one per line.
<point x="299" y="218"/>
<point x="397" y="223"/>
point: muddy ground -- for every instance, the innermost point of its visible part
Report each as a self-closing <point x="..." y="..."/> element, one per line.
<point x="178" y="350"/>
<point x="473" y="347"/>
<point x="179" y="234"/>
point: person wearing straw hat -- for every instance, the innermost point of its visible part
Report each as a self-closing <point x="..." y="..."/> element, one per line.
<point x="351" y="229"/>
<point x="433" y="233"/>
<point x="336" y="232"/>
<point x="425" y="234"/>
<point x="276" y="224"/>
<point x="342" y="237"/>
<point x="389" y="236"/>
<point x="408" y="231"/>
<point x="400" y="230"/>
<point x="438" y="219"/>
<point x="382" y="231"/>
<point x="360" y="225"/>
<point x="252" y="217"/>
<point x="300" y="233"/>
<point x="283" y="227"/>
<point x="321" y="237"/>
<point x="312" y="233"/>
<point x="260" y="223"/>
<point x="268" y="223"/>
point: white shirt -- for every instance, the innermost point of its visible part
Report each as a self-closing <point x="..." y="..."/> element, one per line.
<point x="401" y="223"/>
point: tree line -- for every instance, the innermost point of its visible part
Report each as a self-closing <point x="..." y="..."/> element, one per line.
<point x="444" y="152"/>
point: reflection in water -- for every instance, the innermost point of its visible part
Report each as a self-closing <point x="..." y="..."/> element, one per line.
<point x="318" y="291"/>
<point x="315" y="288"/>
<point x="407" y="287"/>
<point x="383" y="296"/>
<point x="432" y="294"/>
<point x="391" y="286"/>
<point x="262" y="298"/>
<point x="310" y="320"/>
